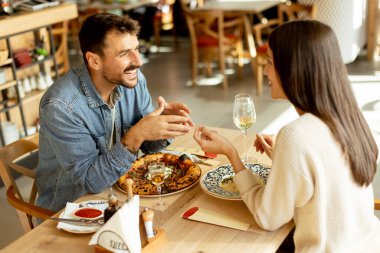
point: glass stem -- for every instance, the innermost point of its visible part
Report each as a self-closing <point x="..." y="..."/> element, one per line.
<point x="159" y="194"/>
<point x="245" y="147"/>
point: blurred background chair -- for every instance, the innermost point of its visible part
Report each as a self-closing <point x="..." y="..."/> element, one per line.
<point x="164" y="21"/>
<point x="60" y="35"/>
<point x="20" y="158"/>
<point x="214" y="35"/>
<point x="286" y="12"/>
<point x="377" y="204"/>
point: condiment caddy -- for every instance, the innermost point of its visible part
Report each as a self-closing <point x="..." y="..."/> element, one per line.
<point x="150" y="237"/>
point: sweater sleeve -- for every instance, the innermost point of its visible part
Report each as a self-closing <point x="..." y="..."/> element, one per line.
<point x="287" y="188"/>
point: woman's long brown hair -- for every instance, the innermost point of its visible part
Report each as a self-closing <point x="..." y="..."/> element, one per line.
<point x="308" y="62"/>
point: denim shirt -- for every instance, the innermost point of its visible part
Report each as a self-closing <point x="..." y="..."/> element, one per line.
<point x="74" y="153"/>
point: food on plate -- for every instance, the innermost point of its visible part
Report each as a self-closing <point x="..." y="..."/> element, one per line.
<point x="180" y="173"/>
<point x="228" y="184"/>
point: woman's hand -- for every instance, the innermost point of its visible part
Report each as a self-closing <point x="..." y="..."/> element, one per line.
<point x="265" y="143"/>
<point x="212" y="142"/>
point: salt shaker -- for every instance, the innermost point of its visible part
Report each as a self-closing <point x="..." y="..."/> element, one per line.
<point x="147" y="216"/>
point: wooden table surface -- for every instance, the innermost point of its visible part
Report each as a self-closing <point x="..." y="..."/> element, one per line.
<point x="181" y="235"/>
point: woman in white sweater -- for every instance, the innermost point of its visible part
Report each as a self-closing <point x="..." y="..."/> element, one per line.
<point x="323" y="162"/>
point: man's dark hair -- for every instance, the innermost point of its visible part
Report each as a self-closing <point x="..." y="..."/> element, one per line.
<point x="92" y="36"/>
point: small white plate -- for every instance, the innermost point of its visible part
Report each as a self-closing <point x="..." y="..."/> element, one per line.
<point x="210" y="181"/>
<point x="71" y="208"/>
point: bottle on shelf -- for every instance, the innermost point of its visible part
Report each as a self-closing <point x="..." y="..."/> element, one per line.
<point x="48" y="80"/>
<point x="21" y="90"/>
<point x="28" y="83"/>
<point x="41" y="81"/>
<point x="3" y="78"/>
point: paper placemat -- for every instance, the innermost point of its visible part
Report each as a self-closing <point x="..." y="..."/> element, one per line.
<point x="236" y="209"/>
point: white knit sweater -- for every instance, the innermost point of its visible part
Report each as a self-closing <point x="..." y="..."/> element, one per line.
<point x="311" y="183"/>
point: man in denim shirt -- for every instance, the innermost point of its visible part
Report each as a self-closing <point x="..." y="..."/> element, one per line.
<point x="96" y="117"/>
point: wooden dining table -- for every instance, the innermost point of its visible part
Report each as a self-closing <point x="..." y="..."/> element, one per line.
<point x="181" y="235"/>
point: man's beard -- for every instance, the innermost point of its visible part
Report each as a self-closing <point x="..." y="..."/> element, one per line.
<point x="119" y="80"/>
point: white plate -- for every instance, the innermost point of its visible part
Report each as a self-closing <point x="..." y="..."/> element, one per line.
<point x="69" y="213"/>
<point x="210" y="181"/>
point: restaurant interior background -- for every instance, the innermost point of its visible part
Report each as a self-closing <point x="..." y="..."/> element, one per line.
<point x="168" y="72"/>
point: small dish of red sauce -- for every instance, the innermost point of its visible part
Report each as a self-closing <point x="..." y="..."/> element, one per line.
<point x="88" y="213"/>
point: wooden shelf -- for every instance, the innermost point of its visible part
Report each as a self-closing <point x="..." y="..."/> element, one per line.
<point x="6" y="62"/>
<point x="33" y="95"/>
<point x="30" y="96"/>
<point x="7" y="85"/>
<point x="47" y="58"/>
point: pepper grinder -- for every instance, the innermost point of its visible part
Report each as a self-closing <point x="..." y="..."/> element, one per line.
<point x="147" y="216"/>
<point x="113" y="206"/>
<point x="129" y="183"/>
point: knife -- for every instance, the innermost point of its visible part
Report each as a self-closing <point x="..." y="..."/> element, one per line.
<point x="80" y="222"/>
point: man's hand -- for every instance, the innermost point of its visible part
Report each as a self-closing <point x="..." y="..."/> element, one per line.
<point x="158" y="126"/>
<point x="175" y="108"/>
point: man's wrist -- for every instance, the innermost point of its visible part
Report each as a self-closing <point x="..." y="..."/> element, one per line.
<point x="131" y="142"/>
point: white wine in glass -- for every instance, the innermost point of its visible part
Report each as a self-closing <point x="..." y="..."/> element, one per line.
<point x="157" y="176"/>
<point x="244" y="116"/>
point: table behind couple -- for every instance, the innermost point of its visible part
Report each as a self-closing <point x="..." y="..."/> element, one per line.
<point x="181" y="235"/>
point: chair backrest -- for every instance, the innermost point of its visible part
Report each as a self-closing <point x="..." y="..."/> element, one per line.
<point x="60" y="34"/>
<point x="21" y="157"/>
<point x="292" y="11"/>
<point x="286" y="12"/>
<point x="377" y="204"/>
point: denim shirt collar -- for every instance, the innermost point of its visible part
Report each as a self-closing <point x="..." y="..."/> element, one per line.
<point x="92" y="95"/>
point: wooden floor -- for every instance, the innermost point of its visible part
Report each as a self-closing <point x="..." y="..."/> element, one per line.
<point x="168" y="73"/>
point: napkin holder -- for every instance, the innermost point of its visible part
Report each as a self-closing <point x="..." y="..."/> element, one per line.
<point x="147" y="244"/>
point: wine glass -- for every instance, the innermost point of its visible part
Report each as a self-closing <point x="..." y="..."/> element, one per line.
<point x="244" y="116"/>
<point x="157" y="176"/>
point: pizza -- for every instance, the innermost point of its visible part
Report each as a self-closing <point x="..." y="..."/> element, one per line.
<point x="180" y="173"/>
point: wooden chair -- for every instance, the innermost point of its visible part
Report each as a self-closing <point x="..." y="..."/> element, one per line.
<point x="60" y="34"/>
<point x="214" y="35"/>
<point x="164" y="20"/>
<point x="20" y="157"/>
<point x="286" y="12"/>
<point x="377" y="204"/>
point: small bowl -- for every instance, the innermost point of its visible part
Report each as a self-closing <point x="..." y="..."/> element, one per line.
<point x="88" y="213"/>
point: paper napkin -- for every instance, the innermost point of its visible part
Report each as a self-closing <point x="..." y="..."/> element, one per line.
<point x="121" y="233"/>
